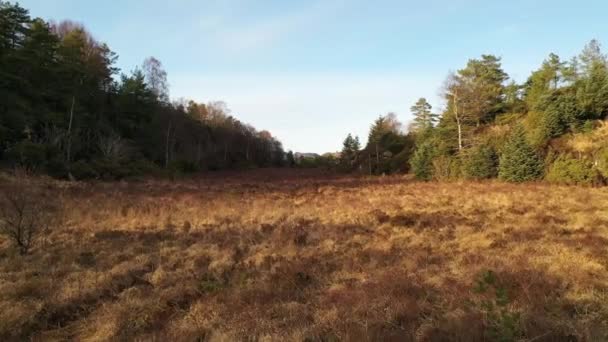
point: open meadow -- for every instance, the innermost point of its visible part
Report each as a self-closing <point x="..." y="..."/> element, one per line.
<point x="281" y="255"/>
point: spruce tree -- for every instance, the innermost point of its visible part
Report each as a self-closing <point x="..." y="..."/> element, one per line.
<point x="422" y="161"/>
<point x="519" y="161"/>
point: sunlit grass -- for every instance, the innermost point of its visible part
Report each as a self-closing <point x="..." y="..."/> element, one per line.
<point x="313" y="257"/>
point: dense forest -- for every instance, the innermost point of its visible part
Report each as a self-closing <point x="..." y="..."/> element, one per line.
<point x="551" y="127"/>
<point x="66" y="110"/>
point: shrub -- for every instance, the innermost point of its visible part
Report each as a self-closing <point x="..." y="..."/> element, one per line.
<point x="502" y="323"/>
<point x="184" y="166"/>
<point x="142" y="166"/>
<point x="566" y="170"/>
<point x="422" y="161"/>
<point x="108" y="169"/>
<point x="446" y="167"/>
<point x="83" y="170"/>
<point x="602" y="162"/>
<point x="28" y="155"/>
<point x="519" y="161"/>
<point x="26" y="212"/>
<point x="481" y="162"/>
<point x="57" y="168"/>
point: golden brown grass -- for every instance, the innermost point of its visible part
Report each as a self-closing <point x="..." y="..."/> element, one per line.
<point x="273" y="257"/>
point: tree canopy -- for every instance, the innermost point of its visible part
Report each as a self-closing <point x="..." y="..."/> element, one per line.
<point x="66" y="110"/>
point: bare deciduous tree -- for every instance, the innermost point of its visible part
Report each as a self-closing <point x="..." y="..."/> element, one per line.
<point x="27" y="212"/>
<point x="156" y="77"/>
<point x="112" y="147"/>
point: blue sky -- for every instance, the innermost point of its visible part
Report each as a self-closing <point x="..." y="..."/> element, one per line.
<point x="312" y="71"/>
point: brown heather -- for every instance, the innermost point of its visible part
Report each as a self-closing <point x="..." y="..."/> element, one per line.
<point x="279" y="255"/>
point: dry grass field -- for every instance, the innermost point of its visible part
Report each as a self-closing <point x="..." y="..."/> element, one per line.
<point x="297" y="256"/>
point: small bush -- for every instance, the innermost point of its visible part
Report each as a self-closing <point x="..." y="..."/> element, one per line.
<point x="141" y="167"/>
<point x="57" y="168"/>
<point x="108" y="169"/>
<point x="446" y="168"/>
<point x="566" y="170"/>
<point x="602" y="162"/>
<point x="481" y="162"/>
<point x="184" y="166"/>
<point x="83" y="170"/>
<point x="502" y="323"/>
<point x="28" y="155"/>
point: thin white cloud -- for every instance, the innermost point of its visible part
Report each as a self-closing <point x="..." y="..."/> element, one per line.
<point x="233" y="34"/>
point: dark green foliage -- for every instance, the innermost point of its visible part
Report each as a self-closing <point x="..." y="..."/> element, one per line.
<point x="424" y="119"/>
<point x="480" y="162"/>
<point x="291" y="161"/>
<point x="348" y="155"/>
<point x="28" y="155"/>
<point x="567" y="170"/>
<point x="422" y="161"/>
<point x="63" y="111"/>
<point x="519" y="162"/>
<point x="388" y="149"/>
<point x="400" y="161"/>
<point x="83" y="170"/>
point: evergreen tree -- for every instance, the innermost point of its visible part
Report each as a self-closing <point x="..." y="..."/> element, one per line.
<point x="519" y="162"/>
<point x="480" y="89"/>
<point x="422" y="160"/>
<point x="544" y="81"/>
<point x="424" y="118"/>
<point x="291" y="161"/>
<point x="592" y="84"/>
<point x="348" y="155"/>
<point x="481" y="162"/>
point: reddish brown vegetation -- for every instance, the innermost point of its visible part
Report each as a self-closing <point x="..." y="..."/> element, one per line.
<point x="314" y="257"/>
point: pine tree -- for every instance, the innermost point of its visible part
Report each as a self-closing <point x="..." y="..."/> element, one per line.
<point x="423" y="116"/>
<point x="519" y="162"/>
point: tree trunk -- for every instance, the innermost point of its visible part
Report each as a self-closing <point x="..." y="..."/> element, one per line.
<point x="459" y="134"/>
<point x="167" y="145"/>
<point x="226" y="152"/>
<point x="458" y="123"/>
<point x="198" y="152"/>
<point x="69" y="147"/>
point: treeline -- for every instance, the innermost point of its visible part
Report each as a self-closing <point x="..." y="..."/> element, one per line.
<point x="65" y="110"/>
<point x="551" y="127"/>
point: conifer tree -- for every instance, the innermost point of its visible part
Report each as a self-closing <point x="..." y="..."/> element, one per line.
<point x="423" y="116"/>
<point x="422" y="161"/>
<point x="519" y="161"/>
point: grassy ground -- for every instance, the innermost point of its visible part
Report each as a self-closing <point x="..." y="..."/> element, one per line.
<point x="276" y="256"/>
